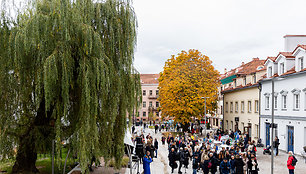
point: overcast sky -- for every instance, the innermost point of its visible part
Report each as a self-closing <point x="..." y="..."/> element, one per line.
<point x="228" y="31"/>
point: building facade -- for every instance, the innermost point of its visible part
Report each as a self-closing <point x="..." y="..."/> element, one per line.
<point x="289" y="73"/>
<point x="241" y="98"/>
<point x="149" y="109"/>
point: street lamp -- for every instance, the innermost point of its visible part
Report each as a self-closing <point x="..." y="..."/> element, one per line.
<point x="272" y="124"/>
<point x="205" y="115"/>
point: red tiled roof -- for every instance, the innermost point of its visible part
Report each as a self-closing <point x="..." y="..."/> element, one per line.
<point x="245" y="69"/>
<point x="270" y="58"/>
<point x="299" y="46"/>
<point x="291" y="71"/>
<point x="286" y="54"/>
<point x="239" y="87"/>
<point x="149" y="78"/>
<point x="288" y="35"/>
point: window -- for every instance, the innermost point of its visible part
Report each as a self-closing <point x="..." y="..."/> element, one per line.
<point x="151" y="92"/>
<point x="249" y="106"/>
<point x="231" y="107"/>
<point x="217" y="122"/>
<point x="270" y="71"/>
<point x="236" y="107"/>
<point x="267" y="102"/>
<point x="150" y="104"/>
<point x="242" y="106"/>
<point x="157" y="104"/>
<point x="222" y="109"/>
<point x="144" y="104"/>
<point x="256" y="106"/>
<point x="254" y="78"/>
<point x="301" y="63"/>
<point x="235" y="83"/>
<point x="144" y="114"/>
<point x="157" y="92"/>
<point x="144" y="92"/>
<point x="244" y="80"/>
<point x="281" y="68"/>
<point x="284" y="102"/>
<point x="226" y="107"/>
<point x="275" y="102"/>
<point x="296" y="101"/>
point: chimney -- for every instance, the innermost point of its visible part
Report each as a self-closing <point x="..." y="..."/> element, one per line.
<point x="292" y="41"/>
<point x="225" y="71"/>
<point x="256" y="58"/>
<point x="242" y="63"/>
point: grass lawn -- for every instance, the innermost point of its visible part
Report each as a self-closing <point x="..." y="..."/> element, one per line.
<point x="43" y="164"/>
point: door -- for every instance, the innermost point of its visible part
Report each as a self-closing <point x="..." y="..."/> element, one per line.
<point x="290" y="138"/>
<point x="267" y="134"/>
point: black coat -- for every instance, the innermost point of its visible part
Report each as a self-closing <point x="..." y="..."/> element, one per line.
<point x="156" y="144"/>
<point x="172" y="157"/>
<point x="250" y="165"/>
<point x="204" y="166"/>
<point x="239" y="165"/>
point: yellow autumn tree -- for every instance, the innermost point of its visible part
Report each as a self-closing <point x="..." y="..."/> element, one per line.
<point x="185" y="80"/>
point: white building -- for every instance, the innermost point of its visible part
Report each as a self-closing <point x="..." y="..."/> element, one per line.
<point x="288" y="69"/>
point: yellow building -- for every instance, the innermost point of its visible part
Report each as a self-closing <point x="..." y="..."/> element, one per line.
<point x="241" y="97"/>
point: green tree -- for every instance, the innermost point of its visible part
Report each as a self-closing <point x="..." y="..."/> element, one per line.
<point x="67" y="74"/>
<point x="185" y="80"/>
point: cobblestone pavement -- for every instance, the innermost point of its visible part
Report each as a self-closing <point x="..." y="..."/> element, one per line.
<point x="160" y="164"/>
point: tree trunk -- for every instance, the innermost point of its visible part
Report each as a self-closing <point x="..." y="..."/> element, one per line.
<point x="26" y="156"/>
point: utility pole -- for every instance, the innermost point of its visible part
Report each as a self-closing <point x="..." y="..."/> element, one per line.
<point x="272" y="127"/>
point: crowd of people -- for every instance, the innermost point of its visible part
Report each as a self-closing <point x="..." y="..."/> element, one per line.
<point x="220" y="152"/>
<point x="229" y="157"/>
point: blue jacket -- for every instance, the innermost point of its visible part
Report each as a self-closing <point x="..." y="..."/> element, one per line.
<point x="225" y="167"/>
<point x="146" y="164"/>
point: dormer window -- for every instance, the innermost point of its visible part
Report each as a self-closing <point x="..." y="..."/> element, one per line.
<point x="282" y="68"/>
<point x="270" y="71"/>
<point x="301" y="63"/>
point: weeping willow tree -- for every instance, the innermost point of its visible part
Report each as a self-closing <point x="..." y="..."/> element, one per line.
<point x="67" y="75"/>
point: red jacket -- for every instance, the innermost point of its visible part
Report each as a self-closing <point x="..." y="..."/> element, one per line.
<point x="289" y="162"/>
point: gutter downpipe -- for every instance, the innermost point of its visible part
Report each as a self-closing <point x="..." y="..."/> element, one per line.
<point x="259" y="105"/>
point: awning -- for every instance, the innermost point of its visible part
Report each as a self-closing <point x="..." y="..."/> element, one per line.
<point x="228" y="79"/>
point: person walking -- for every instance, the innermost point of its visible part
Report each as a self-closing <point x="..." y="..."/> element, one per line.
<point x="206" y="164"/>
<point x="146" y="163"/>
<point x="155" y="147"/>
<point x="163" y="139"/>
<point x="291" y="162"/>
<point x="238" y="164"/>
<point x="225" y="166"/>
<point x="232" y="164"/>
<point x="181" y="159"/>
<point x="195" y="165"/>
<point x="275" y="145"/>
<point x="253" y="165"/>
<point x="172" y="157"/>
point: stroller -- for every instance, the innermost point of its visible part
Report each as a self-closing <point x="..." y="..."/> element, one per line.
<point x="267" y="150"/>
<point x="259" y="143"/>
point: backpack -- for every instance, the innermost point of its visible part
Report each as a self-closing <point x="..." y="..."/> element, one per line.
<point x="209" y="165"/>
<point x="294" y="161"/>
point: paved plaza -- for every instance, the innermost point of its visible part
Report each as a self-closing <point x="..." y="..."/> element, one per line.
<point x="161" y="164"/>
